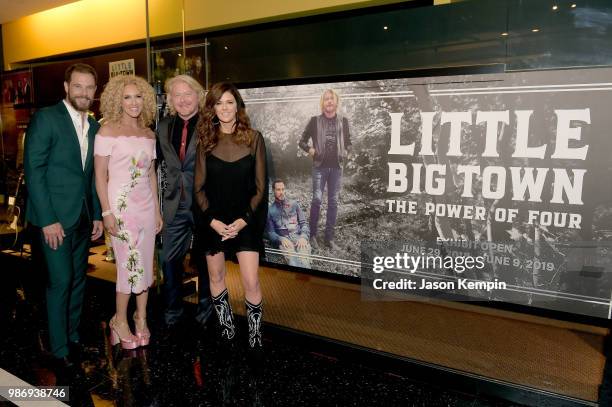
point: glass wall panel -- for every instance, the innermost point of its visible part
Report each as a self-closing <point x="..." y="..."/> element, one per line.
<point x="560" y="34"/>
<point x="520" y="34"/>
<point x="390" y="40"/>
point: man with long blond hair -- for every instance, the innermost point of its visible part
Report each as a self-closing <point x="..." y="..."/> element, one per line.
<point x="327" y="140"/>
<point x="176" y="143"/>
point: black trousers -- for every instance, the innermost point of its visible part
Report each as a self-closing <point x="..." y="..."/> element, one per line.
<point x="176" y="241"/>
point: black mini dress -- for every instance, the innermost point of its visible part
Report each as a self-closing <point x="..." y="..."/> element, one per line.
<point x="230" y="182"/>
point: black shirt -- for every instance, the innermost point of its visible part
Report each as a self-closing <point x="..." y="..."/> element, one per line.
<point x="330" y="132"/>
<point x="177" y="131"/>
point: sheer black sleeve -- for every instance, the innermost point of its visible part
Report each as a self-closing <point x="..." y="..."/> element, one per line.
<point x="259" y="150"/>
<point x="199" y="180"/>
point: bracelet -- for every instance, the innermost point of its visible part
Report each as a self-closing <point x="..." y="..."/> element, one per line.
<point x="106" y="213"/>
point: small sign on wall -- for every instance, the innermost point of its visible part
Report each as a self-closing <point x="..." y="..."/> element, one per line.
<point x="124" y="67"/>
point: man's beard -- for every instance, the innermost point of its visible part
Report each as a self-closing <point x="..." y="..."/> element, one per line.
<point x="74" y="102"/>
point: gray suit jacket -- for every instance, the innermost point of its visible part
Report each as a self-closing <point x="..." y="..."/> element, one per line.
<point x="178" y="175"/>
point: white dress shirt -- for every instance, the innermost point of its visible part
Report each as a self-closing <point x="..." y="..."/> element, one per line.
<point x="81" y="126"/>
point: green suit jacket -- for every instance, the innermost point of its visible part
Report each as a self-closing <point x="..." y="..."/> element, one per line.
<point x="58" y="186"/>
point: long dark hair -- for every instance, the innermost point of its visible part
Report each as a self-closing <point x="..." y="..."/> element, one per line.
<point x="208" y="127"/>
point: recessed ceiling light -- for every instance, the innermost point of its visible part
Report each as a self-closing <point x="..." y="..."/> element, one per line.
<point x="555" y="7"/>
<point x="385" y="28"/>
<point x="504" y="34"/>
<point x="535" y="30"/>
<point x="573" y="5"/>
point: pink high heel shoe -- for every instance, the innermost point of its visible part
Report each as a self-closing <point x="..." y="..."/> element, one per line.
<point x="142" y="332"/>
<point x="131" y="342"/>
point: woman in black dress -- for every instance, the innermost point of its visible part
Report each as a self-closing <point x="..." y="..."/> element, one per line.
<point x="230" y="188"/>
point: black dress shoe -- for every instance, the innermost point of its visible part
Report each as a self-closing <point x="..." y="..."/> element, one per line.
<point x="63" y="363"/>
<point x="65" y="371"/>
<point x="75" y="350"/>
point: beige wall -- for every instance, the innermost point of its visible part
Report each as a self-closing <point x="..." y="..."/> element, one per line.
<point x="91" y="24"/>
<point x="214" y="14"/>
<point x="76" y="26"/>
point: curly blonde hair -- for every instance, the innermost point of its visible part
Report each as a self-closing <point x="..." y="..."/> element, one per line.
<point x="110" y="100"/>
<point x="189" y="81"/>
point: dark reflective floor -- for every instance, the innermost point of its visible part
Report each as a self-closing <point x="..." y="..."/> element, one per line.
<point x="188" y="366"/>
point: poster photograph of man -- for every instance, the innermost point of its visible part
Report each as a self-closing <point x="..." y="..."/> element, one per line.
<point x="512" y="157"/>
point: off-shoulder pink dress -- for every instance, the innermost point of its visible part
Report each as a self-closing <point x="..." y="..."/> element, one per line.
<point x="132" y="202"/>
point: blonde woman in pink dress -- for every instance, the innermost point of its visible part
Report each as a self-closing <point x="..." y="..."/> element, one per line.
<point x="127" y="187"/>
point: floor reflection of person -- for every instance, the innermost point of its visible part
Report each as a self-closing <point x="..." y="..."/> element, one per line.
<point x="331" y="142"/>
<point x="63" y="204"/>
<point x="131" y="378"/>
<point x="177" y="146"/>
<point x="287" y="227"/>
<point x="231" y="189"/>
<point x="109" y="255"/>
<point x="126" y="182"/>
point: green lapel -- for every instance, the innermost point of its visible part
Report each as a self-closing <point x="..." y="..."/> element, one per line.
<point x="71" y="134"/>
<point x="93" y="128"/>
<point x="91" y="133"/>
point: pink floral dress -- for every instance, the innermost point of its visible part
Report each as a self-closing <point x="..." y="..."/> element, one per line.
<point x="132" y="202"/>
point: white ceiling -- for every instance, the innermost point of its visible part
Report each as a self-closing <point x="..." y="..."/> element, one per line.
<point x="11" y="10"/>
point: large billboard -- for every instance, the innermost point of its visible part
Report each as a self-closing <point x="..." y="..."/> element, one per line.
<point x="521" y="161"/>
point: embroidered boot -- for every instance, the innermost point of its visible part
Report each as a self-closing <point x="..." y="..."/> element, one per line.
<point x="254" y="314"/>
<point x="224" y="315"/>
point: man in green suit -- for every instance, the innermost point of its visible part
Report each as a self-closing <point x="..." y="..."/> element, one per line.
<point x="63" y="203"/>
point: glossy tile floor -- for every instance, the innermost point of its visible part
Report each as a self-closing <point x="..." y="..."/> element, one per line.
<point x="190" y="367"/>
